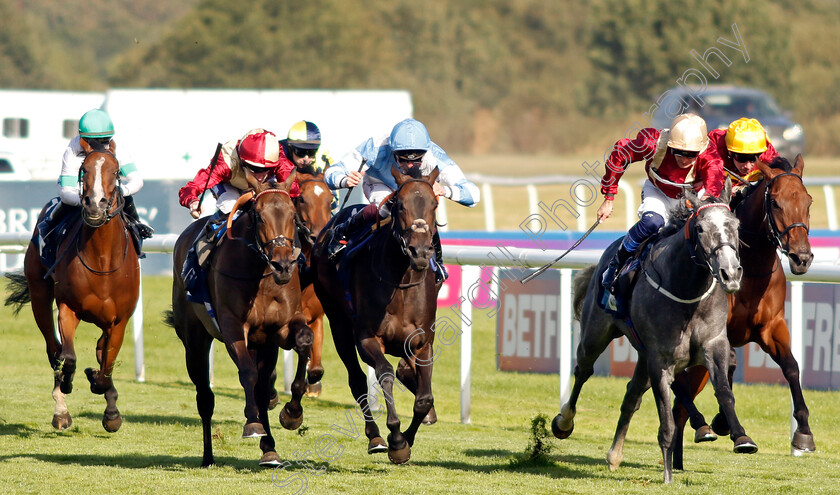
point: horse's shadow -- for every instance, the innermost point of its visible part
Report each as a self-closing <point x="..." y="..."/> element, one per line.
<point x="137" y="461"/>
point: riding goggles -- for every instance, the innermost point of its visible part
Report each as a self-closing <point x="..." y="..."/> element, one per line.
<point x="304" y="152"/>
<point x="684" y="153"/>
<point x="745" y="157"/>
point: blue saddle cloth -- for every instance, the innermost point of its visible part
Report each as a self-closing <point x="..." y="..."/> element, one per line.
<point x="194" y="277"/>
<point x="618" y="303"/>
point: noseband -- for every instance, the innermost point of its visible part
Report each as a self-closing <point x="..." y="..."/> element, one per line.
<point x="262" y="248"/>
<point x="305" y="233"/>
<point x="775" y="234"/>
<point x="397" y="229"/>
<point x="116" y="196"/>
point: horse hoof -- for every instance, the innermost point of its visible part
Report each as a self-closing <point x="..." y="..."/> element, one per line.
<point x="745" y="445"/>
<point x="431" y="417"/>
<point x="399" y="455"/>
<point x="315" y="374"/>
<point x="62" y="421"/>
<point x="803" y="442"/>
<point x="558" y="430"/>
<point x="270" y="459"/>
<point x="253" y="430"/>
<point x="288" y="421"/>
<point x="377" y="445"/>
<point x="111" y="422"/>
<point x="704" y="434"/>
<point x="720" y="425"/>
<point x="273" y="400"/>
<point x="313" y="390"/>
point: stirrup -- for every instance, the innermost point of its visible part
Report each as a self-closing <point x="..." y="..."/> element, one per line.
<point x="335" y="248"/>
<point x="145" y="231"/>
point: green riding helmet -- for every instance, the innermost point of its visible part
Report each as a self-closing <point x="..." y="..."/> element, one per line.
<point x="96" y="123"/>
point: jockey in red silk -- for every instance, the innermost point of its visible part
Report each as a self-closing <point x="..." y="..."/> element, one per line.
<point x="674" y="161"/>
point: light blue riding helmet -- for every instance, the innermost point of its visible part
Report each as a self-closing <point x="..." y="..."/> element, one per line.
<point x="410" y="134"/>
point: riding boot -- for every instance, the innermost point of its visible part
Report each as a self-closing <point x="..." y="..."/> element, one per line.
<point x="339" y="234"/>
<point x="440" y="273"/>
<point x="206" y="240"/>
<point x="47" y="243"/>
<point x="143" y="230"/>
<point x="611" y="273"/>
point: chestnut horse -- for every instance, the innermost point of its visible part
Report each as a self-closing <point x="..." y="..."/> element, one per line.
<point x="391" y="309"/>
<point x="96" y="279"/>
<point x="254" y="289"/>
<point x="313" y="213"/>
<point x="774" y="214"/>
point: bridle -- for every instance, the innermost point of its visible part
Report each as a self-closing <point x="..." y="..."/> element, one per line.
<point x="304" y="231"/>
<point x="775" y="234"/>
<point x="117" y="196"/>
<point x="259" y="247"/>
<point x="399" y="232"/>
<point x="703" y="259"/>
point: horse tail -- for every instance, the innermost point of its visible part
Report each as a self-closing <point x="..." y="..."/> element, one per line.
<point x="579" y="284"/>
<point x="19" y="296"/>
<point x="169" y="318"/>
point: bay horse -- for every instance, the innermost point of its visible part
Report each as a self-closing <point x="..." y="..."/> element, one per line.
<point x="774" y="215"/>
<point x="677" y="319"/>
<point x="96" y="279"/>
<point x="254" y="289"/>
<point x="390" y="308"/>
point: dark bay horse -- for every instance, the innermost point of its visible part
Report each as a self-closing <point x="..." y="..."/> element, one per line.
<point x="255" y="293"/>
<point x="774" y="215"/>
<point x="313" y="213"/>
<point x="678" y="310"/>
<point x="391" y="309"/>
<point x="96" y="279"/>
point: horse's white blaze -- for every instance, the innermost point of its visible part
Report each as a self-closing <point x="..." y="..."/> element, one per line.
<point x="318" y="190"/>
<point x="420" y="226"/>
<point x="98" y="188"/>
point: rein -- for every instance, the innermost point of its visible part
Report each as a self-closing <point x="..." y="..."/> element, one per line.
<point x="776" y="235"/>
<point x="305" y="233"/>
<point x="106" y="272"/>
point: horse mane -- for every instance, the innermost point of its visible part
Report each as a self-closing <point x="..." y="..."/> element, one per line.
<point x="414" y="173"/>
<point x="681" y="213"/>
<point x="307" y="169"/>
<point x="781" y="163"/>
<point x="96" y="145"/>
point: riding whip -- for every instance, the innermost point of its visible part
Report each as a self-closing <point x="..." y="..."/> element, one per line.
<point x="347" y="196"/>
<point x="547" y="266"/>
<point x="212" y="166"/>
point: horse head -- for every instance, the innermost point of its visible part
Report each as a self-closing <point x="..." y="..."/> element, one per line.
<point x="787" y="206"/>
<point x="313" y="204"/>
<point x="713" y="231"/>
<point x="273" y="220"/>
<point x="99" y="179"/>
<point x="413" y="211"/>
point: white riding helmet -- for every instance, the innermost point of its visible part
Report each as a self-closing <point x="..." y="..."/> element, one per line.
<point x="688" y="133"/>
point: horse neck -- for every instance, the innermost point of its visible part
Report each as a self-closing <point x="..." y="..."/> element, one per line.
<point x="390" y="259"/>
<point x="758" y="250"/>
<point x="674" y="252"/>
<point x="101" y="240"/>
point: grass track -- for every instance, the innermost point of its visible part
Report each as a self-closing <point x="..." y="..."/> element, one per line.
<point x="158" y="449"/>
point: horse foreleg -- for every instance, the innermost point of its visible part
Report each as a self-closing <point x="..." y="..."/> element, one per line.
<point x="661" y="378"/>
<point x="266" y="363"/>
<point x="61" y="417"/>
<point x="423" y="399"/>
<point x="408" y="377"/>
<point x="101" y="381"/>
<point x="197" y="349"/>
<point x="636" y="388"/>
<point x="399" y="450"/>
<point x="65" y="367"/>
<point x="291" y="416"/>
<point x="687" y="385"/>
<point x="778" y="348"/>
<point x="241" y="356"/>
<point x="316" y="368"/>
<point x="717" y="357"/>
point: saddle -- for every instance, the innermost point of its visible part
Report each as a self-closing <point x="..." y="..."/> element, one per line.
<point x="618" y="302"/>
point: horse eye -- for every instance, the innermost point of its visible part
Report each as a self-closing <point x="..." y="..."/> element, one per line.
<point x="774" y="204"/>
<point x="699" y="229"/>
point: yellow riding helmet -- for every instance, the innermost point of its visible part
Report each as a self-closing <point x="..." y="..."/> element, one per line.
<point x="746" y="136"/>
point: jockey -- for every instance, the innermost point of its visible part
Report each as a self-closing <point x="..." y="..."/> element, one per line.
<point x="740" y="146"/>
<point x="95" y="125"/>
<point x="410" y="149"/>
<point x="303" y="147"/>
<point x="671" y="157"/>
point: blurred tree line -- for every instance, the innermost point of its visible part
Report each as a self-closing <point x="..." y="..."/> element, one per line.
<point x="486" y="75"/>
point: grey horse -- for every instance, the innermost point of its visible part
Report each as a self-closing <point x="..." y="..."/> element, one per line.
<point x="678" y="310"/>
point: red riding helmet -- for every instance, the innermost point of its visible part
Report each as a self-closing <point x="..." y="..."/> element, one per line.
<point x="259" y="148"/>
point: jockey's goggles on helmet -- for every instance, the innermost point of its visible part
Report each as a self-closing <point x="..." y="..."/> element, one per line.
<point x="685" y="153"/>
<point x="745" y="157"/>
<point x="410" y="156"/>
<point x="304" y="152"/>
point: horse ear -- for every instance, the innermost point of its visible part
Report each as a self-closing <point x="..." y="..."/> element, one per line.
<point x="765" y="169"/>
<point x="252" y="181"/>
<point x="85" y="146"/>
<point x="726" y="196"/>
<point x="798" y="165"/>
<point x="287" y="184"/>
<point x="112" y="147"/>
<point x="397" y="175"/>
<point x="432" y="178"/>
<point x="302" y="176"/>
<point x="692" y="201"/>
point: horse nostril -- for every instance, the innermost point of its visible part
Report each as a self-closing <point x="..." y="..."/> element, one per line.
<point x="103" y="203"/>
